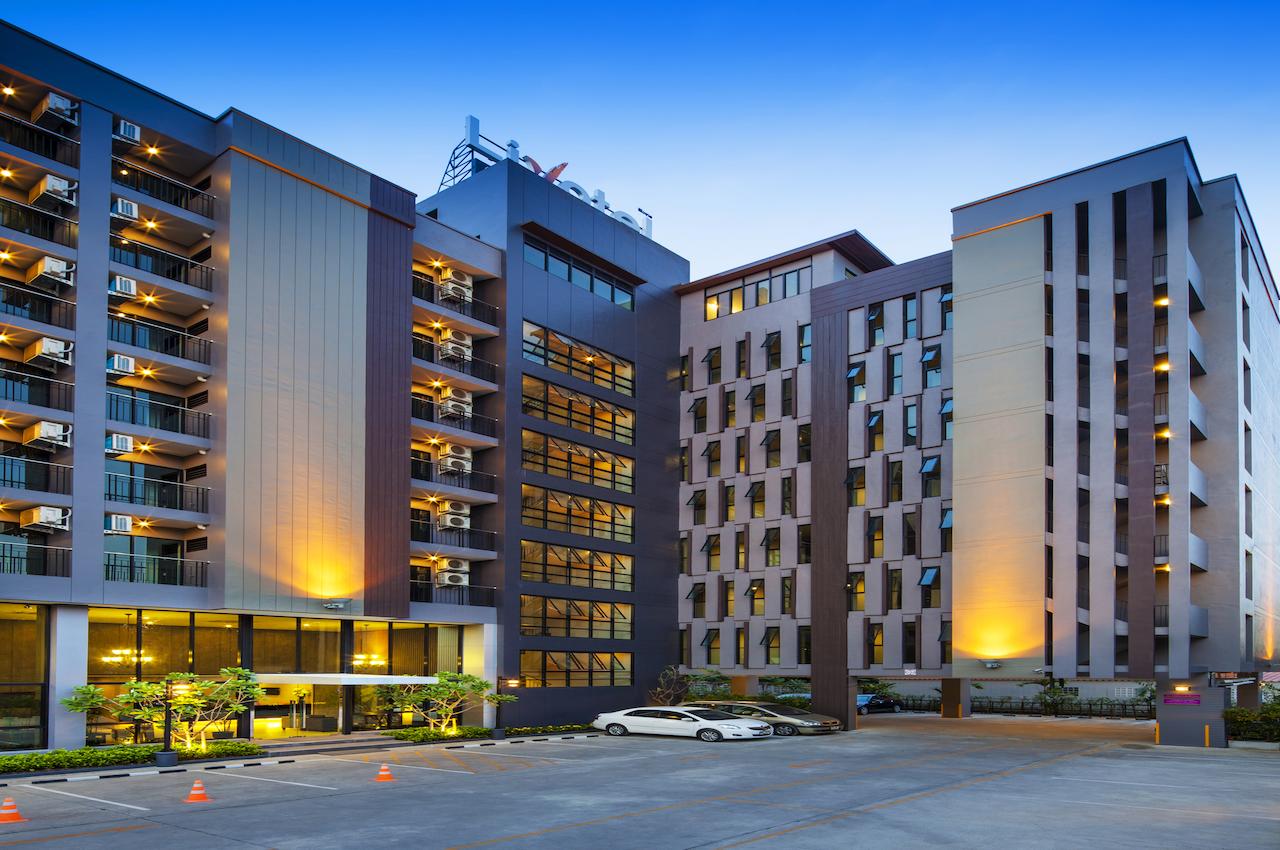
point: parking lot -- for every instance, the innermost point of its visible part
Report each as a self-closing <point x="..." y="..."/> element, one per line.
<point x="904" y="780"/>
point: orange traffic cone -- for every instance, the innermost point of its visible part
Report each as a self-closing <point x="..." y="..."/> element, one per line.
<point x="384" y="775"/>
<point x="197" y="794"/>
<point x="9" y="812"/>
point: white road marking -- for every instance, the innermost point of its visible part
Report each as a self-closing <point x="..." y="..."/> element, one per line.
<point x="594" y="746"/>
<point x="1116" y="782"/>
<point x="85" y="797"/>
<point x="400" y="765"/>
<point x="266" y="779"/>
<point x="488" y="751"/>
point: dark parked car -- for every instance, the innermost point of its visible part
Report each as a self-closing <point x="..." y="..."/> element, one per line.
<point x="868" y="703"/>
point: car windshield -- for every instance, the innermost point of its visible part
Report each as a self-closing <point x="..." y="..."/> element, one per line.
<point x="784" y="710"/>
<point x="712" y="714"/>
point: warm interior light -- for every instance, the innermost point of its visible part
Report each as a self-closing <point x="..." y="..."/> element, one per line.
<point x="4" y="337"/>
<point x="1163" y="366"/>
<point x="435" y="264"/>
<point x="4" y="422"/>
<point x="147" y="371"/>
<point x="1182" y="689"/>
<point x="433" y="441"/>
<point x="1163" y="301"/>
<point x="513" y="683"/>
<point x="143" y="523"/>
<point x="590" y="358"/>
<point x="148" y="298"/>
<point x="1164" y="434"/>
<point x="9" y="91"/>
<point x="150" y="224"/>
<point x="437" y="325"/>
<point x="435" y="385"/>
<point x="1165" y="500"/>
<point x="433" y="499"/>
<point x="152" y="150"/>
<point x="6" y="173"/>
<point x="5" y="256"/>
<point x="144" y="447"/>
<point x="1163" y="568"/>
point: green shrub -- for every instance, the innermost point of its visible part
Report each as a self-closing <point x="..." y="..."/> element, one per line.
<point x="427" y="735"/>
<point x="220" y="749"/>
<point x="1254" y="724"/>
<point x="548" y="730"/>
<point x="81" y="758"/>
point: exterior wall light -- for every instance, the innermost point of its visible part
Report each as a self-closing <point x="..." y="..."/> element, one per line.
<point x="991" y="664"/>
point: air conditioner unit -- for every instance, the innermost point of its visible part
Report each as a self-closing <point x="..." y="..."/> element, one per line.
<point x="452" y="579"/>
<point x="456" y="408"/>
<point x="125" y="209"/>
<point x="121" y="364"/>
<point x="456" y="293"/>
<point x="452" y="508"/>
<point x="455" y="464"/>
<point x="119" y="444"/>
<point x="47" y="518"/>
<point x="119" y="524"/>
<point x="50" y="349"/>
<point x="452" y="335"/>
<point x="51" y="272"/>
<point x="454" y="450"/>
<point x="55" y="109"/>
<point x="47" y="435"/>
<point x="454" y="521"/>
<point x="457" y="352"/>
<point x="453" y="277"/>
<point x="51" y="190"/>
<point x="122" y="287"/>
<point x="129" y="131"/>
<point x="455" y="394"/>
<point x="454" y="565"/>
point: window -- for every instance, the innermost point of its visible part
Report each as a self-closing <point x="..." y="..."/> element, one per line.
<point x="895" y="481"/>
<point x="712" y="454"/>
<point x="582" y="275"/>
<point x="1248" y="449"/>
<point x="711" y="642"/>
<point x="931" y="366"/>
<point x="740" y="646"/>
<point x="740" y="451"/>
<point x="772" y="443"/>
<point x="743" y="362"/>
<point x="910" y="425"/>
<point x="874" y="643"/>
<point x="772" y="346"/>
<point x="728" y="503"/>
<point x="875" y="537"/>
<point x="685" y="474"/>
<point x="1248" y="386"/>
<point x="566" y="354"/>
<point x="546" y="669"/>
<point x="1244" y="321"/>
<point x="711" y="548"/>
<point x="909" y="317"/>
<point x="699" y="411"/>
<point x="686" y="378"/>
<point x="564" y="406"/>
<point x="728" y="601"/>
<point x="790" y="284"/>
<point x="698" y="596"/>
<point x="856" y="483"/>
<point x="756" y="494"/>
<point x="804" y="645"/>
<point x="856" y="379"/>
<point x="931" y="477"/>
<point x="736" y="301"/>
<point x="788" y="396"/>
<point x="875" y="325"/>
<point x="756" y="397"/>
<point x="788" y="496"/>
<point x="24" y="677"/>
<point x="755" y="592"/>
<point x="559" y="511"/>
<point x="685" y="558"/>
<point x="1248" y="511"/>
<point x="944" y="300"/>
<point x="772" y="543"/>
<point x="570" y="565"/>
<point x="910" y="646"/>
<point x="575" y="461"/>
<point x="788" y="594"/>
<point x="910" y="533"/>
<point x="945" y="528"/>
<point x="711" y="307"/>
<point x="805" y="344"/>
<point x="772" y="643"/>
<point x="895" y="373"/>
<point x="875" y="431"/>
<point x="931" y="587"/>
<point x="729" y="414"/>
<point x="948" y="418"/>
<point x="542" y="616"/>
<point x="857" y="591"/>
<point x="740" y="549"/>
<point x="712" y="359"/>
<point x="698" y="501"/>
<point x="804" y="550"/>
<point x="944" y="638"/>
<point x="804" y="443"/>
<point x="894" y="590"/>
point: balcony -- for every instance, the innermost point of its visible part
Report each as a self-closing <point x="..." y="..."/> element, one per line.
<point x="426" y="289"/>
<point x="1160" y="407"/>
<point x="37" y="222"/>
<point x="161" y="188"/>
<point x="154" y="414"/>
<point x="36" y="306"/>
<point x="33" y="389"/>
<point x="160" y="339"/>
<point x="426" y="531"/>
<point x="428" y="411"/>
<point x="1198" y="415"/>
<point x="23" y="474"/>
<point x="153" y="569"/>
<point x="1160" y="549"/>
<point x="23" y="134"/>
<point x="429" y="471"/>
<point x="425" y="591"/>
<point x="426" y="349"/>
<point x="1161" y="616"/>
<point x="1162" y="477"/>
<point x="1197" y="485"/>
<point x="30" y="559"/>
<point x="154" y="493"/>
<point x="155" y="261"/>
<point x="1197" y="551"/>
<point x="1195" y="350"/>
<point x="1160" y="268"/>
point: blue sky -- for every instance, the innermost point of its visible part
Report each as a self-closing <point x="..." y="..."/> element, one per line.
<point x="743" y="128"/>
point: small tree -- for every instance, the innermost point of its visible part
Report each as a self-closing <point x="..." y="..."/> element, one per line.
<point x="706" y="683"/>
<point x="672" y="687"/>
<point x="441" y="703"/>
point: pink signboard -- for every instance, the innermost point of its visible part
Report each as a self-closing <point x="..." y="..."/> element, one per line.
<point x="1181" y="699"/>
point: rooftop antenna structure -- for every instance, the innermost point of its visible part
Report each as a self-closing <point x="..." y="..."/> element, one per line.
<point x="470" y="156"/>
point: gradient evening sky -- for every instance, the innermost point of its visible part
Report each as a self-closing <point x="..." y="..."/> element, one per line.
<point x="744" y="128"/>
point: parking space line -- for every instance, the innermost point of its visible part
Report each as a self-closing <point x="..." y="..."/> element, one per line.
<point x="518" y="756"/>
<point x="568" y="744"/>
<point x="409" y="766"/>
<point x="85" y="797"/>
<point x="281" y="781"/>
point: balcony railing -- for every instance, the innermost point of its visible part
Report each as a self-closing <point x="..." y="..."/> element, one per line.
<point x="167" y="265"/>
<point x="1160" y="406"/>
<point x="1161" y="546"/>
<point x="22" y="474"/>
<point x="426" y="531"/>
<point x="1160" y="338"/>
<point x="425" y="591"/>
<point x="1122" y="610"/>
<point x="161" y="188"/>
<point x="428" y="290"/>
<point x="30" y="559"/>
<point x="155" y="414"/>
<point x="33" y="389"/>
<point x="160" y="339"/>
<point x="428" y="411"/>
<point x="37" y="222"/>
<point x="152" y="492"/>
<point x="426" y="470"/>
<point x="1160" y="267"/>
<point x="26" y="304"/>
<point x="153" y="569"/>
<point x="23" y="134"/>
<point x="1162" y="475"/>
<point x="425" y="349"/>
<point x="1161" y="616"/>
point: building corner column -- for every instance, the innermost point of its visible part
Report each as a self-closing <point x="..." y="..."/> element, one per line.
<point x="955" y="698"/>
<point x="68" y="670"/>
<point x="480" y="658"/>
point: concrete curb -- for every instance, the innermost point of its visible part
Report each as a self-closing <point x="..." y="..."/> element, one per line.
<point x="150" y="771"/>
<point x="522" y="740"/>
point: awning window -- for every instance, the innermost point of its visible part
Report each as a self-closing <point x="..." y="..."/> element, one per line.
<point x="929" y="355"/>
<point x="770" y="338"/>
<point x="855" y="370"/>
<point x="712" y="542"/>
<point x="874" y="419"/>
<point x="712" y="447"/>
<point x="712" y="354"/>
<point x="874" y="311"/>
<point x="945" y="297"/>
<point x="697" y="403"/>
<point x="946" y="519"/>
<point x="756" y="587"/>
<point x="928" y="576"/>
<point x="756" y="489"/>
<point x="712" y="636"/>
<point x="856" y="476"/>
<point x="698" y="591"/>
<point x="770" y="636"/>
<point x="929" y="465"/>
<point x="947" y="407"/>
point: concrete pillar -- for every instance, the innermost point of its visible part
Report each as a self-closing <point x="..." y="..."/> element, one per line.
<point x="852" y="710"/>
<point x="1189" y="712"/>
<point x="955" y="697"/>
<point x="480" y="658"/>
<point x="68" y="669"/>
<point x="746" y="686"/>
<point x="1249" y="696"/>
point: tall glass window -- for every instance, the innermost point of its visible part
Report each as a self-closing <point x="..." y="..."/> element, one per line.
<point x="24" y="636"/>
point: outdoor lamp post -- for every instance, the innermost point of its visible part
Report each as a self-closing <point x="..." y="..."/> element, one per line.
<point x="167" y="757"/>
<point x="499" y="730"/>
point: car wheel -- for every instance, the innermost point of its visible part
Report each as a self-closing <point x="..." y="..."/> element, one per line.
<point x="617" y="730"/>
<point x="711" y="736"/>
<point x="863" y="710"/>
<point x="896" y="708"/>
<point x="785" y="730"/>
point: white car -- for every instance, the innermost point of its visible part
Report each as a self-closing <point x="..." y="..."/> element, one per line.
<point x="706" y="724"/>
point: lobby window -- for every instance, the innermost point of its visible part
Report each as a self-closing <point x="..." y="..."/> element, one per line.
<point x="931" y="366"/>
<point x="875" y="431"/>
<point x="553" y="669"/>
<point x="698" y="596"/>
<point x="805" y="344"/>
<point x="711" y="548"/>
<point x="728" y="503"/>
<point x="944" y="301"/>
<point x="755" y="494"/>
<point x="874" y="643"/>
<point x="24" y="634"/>
<point x="804" y="443"/>
<point x="944" y="639"/>
<point x="711" y="643"/>
<point x="947" y="412"/>
<point x="772" y="544"/>
<point x="875" y="325"/>
<point x="788" y="496"/>
<point x="874" y="537"/>
<point x="728" y="600"/>
<point x="910" y="533"/>
<point x="894" y="590"/>
<point x="772" y="643"/>
<point x="856" y="483"/>
<point x="894" y="493"/>
<point x="804" y="645"/>
<point x="712" y="454"/>
<point x="712" y="359"/>
<point x="772" y="443"/>
<point x="740" y="451"/>
<point x="772" y="346"/>
<point x="755" y="592"/>
<point x="931" y="587"/>
<point x="856" y="589"/>
<point x="945" y="529"/>
<point x="910" y="424"/>
<point x="895" y="373"/>
<point x="743" y="361"/>
<point x="698" y="501"/>
<point x="856" y="380"/>
<point x="740" y="646"/>
<point x="788" y="396"/>
<point x="756" y="397"/>
<point x="686" y="377"/>
<point x="699" y="411"/>
<point x="909" y="317"/>
<point x="931" y="477"/>
<point x="729" y="414"/>
<point x="789" y="594"/>
<point x="804" y="546"/>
